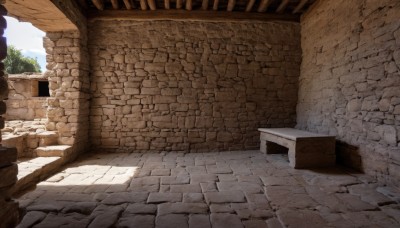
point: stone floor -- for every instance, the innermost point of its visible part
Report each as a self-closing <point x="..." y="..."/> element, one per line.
<point x="227" y="189"/>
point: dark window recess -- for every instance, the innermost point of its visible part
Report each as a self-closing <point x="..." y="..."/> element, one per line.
<point x="43" y="89"/>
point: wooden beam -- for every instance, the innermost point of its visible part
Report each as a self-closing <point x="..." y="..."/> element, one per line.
<point x="152" y="4"/>
<point x="129" y="4"/>
<point x="183" y="15"/>
<point x="215" y="5"/>
<point x="282" y="6"/>
<point x="115" y="4"/>
<point x="166" y="4"/>
<point x="143" y="4"/>
<point x="204" y="5"/>
<point x="99" y="4"/>
<point x="231" y="5"/>
<point x="189" y="4"/>
<point x="263" y="6"/>
<point x="83" y="4"/>
<point x="300" y="6"/>
<point x="179" y="4"/>
<point x="249" y="5"/>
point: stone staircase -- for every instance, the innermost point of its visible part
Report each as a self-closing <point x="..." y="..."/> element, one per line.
<point x="47" y="158"/>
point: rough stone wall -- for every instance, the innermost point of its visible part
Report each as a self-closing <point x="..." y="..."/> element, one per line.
<point x="21" y="103"/>
<point x="8" y="168"/>
<point x="67" y="72"/>
<point x="350" y="81"/>
<point x="190" y="86"/>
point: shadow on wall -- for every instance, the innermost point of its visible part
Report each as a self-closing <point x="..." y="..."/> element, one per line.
<point x="348" y="155"/>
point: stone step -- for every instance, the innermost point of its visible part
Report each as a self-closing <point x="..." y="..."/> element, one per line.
<point x="33" y="170"/>
<point x="52" y="151"/>
<point x="47" y="138"/>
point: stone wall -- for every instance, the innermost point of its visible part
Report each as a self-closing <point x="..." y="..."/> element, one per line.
<point x="67" y="72"/>
<point x="350" y="81"/>
<point x="8" y="168"/>
<point x="23" y="102"/>
<point x="190" y="86"/>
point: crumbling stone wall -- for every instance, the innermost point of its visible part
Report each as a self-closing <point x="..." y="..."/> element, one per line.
<point x="23" y="103"/>
<point x="8" y="157"/>
<point x="190" y="86"/>
<point x="350" y="81"/>
<point x="67" y="72"/>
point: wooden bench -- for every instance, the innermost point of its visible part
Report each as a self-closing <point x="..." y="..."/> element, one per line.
<point x="306" y="149"/>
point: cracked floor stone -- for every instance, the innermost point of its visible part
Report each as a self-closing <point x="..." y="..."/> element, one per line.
<point x="221" y="189"/>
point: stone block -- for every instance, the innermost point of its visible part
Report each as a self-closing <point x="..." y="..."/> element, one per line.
<point x="3" y="108"/>
<point x="225" y="197"/>
<point x="182" y="208"/>
<point x="9" y="175"/>
<point x="3" y="88"/>
<point x="7" y="156"/>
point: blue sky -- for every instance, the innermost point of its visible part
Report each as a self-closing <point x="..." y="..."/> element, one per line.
<point x="25" y="37"/>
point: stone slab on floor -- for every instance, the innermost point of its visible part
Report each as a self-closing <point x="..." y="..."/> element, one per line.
<point x="220" y="189"/>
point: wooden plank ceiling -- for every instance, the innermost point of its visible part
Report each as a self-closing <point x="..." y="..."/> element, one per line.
<point x="195" y="9"/>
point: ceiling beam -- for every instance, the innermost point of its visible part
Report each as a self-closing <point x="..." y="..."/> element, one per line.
<point x="263" y="6"/>
<point x="129" y="4"/>
<point x="189" y="4"/>
<point x="99" y="4"/>
<point x="231" y="5"/>
<point x="143" y="4"/>
<point x="152" y="4"/>
<point x="204" y="5"/>
<point x="179" y="4"/>
<point x="300" y="6"/>
<point x="167" y="4"/>
<point x="215" y="5"/>
<point x="115" y="4"/>
<point x="183" y="15"/>
<point x="249" y="5"/>
<point x="282" y="6"/>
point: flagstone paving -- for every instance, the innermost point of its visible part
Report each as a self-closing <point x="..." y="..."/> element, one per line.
<point x="222" y="189"/>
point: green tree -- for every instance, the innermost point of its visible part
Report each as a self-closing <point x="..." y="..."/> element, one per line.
<point x="16" y="63"/>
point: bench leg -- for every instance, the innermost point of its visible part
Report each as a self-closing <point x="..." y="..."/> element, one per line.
<point x="263" y="146"/>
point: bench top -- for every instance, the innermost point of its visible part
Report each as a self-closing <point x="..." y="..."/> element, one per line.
<point x="293" y="134"/>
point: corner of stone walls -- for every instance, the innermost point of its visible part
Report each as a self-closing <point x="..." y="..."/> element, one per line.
<point x="68" y="75"/>
<point x="349" y="83"/>
<point x="8" y="156"/>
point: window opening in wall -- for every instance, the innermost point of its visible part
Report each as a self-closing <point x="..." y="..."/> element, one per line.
<point x="43" y="89"/>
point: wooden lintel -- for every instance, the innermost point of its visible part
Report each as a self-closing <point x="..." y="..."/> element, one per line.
<point x="215" y="5"/>
<point x="83" y="4"/>
<point x="282" y="6"/>
<point x="250" y="5"/>
<point x="179" y="4"/>
<point x="152" y="4"/>
<point x="204" y="5"/>
<point x="99" y="4"/>
<point x="263" y="6"/>
<point x="167" y="4"/>
<point x="143" y="4"/>
<point x="183" y="15"/>
<point x="115" y="4"/>
<point x="300" y="6"/>
<point x="189" y="4"/>
<point x="231" y="5"/>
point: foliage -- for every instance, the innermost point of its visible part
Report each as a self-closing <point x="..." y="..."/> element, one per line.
<point x="16" y="63"/>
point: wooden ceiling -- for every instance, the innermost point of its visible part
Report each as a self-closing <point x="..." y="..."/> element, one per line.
<point x="196" y="9"/>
